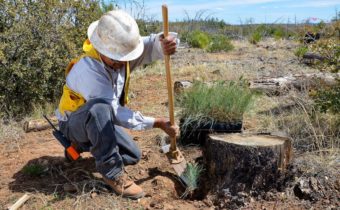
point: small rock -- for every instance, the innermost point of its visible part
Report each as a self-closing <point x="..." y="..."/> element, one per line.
<point x="142" y="172"/>
<point x="132" y="95"/>
<point x="137" y="138"/>
<point x="260" y="58"/>
<point x="242" y="194"/>
<point x="97" y="175"/>
<point x="218" y="72"/>
<point x="145" y="155"/>
<point x="207" y="202"/>
<point x="314" y="183"/>
<point x="153" y="204"/>
<point x="93" y="195"/>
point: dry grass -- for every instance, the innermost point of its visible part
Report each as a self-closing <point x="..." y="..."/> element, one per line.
<point x="39" y="110"/>
<point x="315" y="135"/>
<point x="10" y="130"/>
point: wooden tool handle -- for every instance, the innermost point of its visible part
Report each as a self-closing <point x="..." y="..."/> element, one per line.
<point x="165" y="20"/>
<point x="168" y="76"/>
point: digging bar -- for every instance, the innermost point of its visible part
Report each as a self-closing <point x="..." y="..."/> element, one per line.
<point x="174" y="155"/>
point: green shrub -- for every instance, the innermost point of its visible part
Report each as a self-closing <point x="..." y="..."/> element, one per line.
<point x="255" y="37"/>
<point x="330" y="50"/>
<point x="301" y="51"/>
<point x="327" y="99"/>
<point x="198" y="39"/>
<point x="38" y="39"/>
<point x="220" y="43"/>
<point x="278" y="33"/>
<point x="219" y="102"/>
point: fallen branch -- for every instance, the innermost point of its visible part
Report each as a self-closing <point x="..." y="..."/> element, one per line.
<point x="19" y="202"/>
<point x="39" y="124"/>
<point x="281" y="85"/>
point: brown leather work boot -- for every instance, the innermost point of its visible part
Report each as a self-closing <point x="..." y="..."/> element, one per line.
<point x="125" y="187"/>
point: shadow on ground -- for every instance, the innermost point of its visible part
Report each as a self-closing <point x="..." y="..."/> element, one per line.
<point x="55" y="176"/>
<point x="50" y="175"/>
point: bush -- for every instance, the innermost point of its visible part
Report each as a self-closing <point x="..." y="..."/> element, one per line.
<point x="220" y="43"/>
<point x="301" y="51"/>
<point x="198" y="39"/>
<point x="327" y="99"/>
<point x="330" y="50"/>
<point x="278" y="33"/>
<point x="220" y="102"/>
<point x="255" y="37"/>
<point x="38" y="39"/>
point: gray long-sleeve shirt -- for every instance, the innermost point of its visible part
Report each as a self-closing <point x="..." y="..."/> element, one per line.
<point x="89" y="78"/>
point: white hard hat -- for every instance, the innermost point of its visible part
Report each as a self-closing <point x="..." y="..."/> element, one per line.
<point x="116" y="35"/>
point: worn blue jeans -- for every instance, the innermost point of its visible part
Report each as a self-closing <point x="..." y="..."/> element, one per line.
<point x="92" y="127"/>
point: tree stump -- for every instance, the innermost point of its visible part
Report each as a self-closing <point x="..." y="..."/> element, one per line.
<point x="246" y="162"/>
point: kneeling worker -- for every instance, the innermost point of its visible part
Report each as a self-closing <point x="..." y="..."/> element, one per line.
<point x="91" y="112"/>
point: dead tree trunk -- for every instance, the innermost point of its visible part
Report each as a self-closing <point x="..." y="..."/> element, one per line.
<point x="38" y="125"/>
<point x="281" y="85"/>
<point x="246" y="162"/>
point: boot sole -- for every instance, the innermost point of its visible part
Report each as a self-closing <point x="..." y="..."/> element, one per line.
<point x="134" y="197"/>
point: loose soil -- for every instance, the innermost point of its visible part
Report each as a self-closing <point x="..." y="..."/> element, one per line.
<point x="63" y="185"/>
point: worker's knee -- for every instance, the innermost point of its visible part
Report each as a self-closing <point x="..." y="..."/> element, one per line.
<point x="101" y="110"/>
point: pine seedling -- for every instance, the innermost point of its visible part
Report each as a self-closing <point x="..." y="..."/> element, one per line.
<point x="191" y="176"/>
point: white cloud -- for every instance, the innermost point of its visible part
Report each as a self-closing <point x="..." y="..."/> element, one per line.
<point x="316" y="4"/>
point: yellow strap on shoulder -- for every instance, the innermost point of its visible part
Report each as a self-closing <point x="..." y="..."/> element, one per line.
<point x="89" y="51"/>
<point x="127" y="82"/>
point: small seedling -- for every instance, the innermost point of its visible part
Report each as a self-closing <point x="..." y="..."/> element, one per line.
<point x="33" y="170"/>
<point x="191" y="176"/>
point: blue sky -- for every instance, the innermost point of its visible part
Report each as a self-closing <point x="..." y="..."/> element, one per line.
<point x="234" y="12"/>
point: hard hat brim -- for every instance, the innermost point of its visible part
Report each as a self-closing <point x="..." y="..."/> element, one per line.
<point x="102" y="48"/>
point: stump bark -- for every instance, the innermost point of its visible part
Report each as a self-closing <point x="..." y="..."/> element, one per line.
<point x="246" y="162"/>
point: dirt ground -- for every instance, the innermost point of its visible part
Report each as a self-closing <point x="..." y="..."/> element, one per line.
<point x="76" y="185"/>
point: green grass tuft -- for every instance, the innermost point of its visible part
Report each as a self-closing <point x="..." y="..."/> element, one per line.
<point x="255" y="37"/>
<point x="301" y="51"/>
<point x="220" y="102"/>
<point x="220" y="43"/>
<point x="198" y="39"/>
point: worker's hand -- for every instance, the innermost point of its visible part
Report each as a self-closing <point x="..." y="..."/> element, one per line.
<point x="168" y="44"/>
<point x="165" y="125"/>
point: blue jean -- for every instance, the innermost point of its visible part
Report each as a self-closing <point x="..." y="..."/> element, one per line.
<point x="92" y="127"/>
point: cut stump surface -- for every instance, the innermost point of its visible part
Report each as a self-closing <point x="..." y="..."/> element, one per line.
<point x="244" y="162"/>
